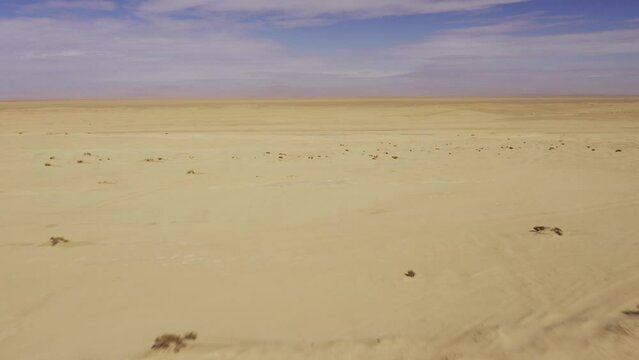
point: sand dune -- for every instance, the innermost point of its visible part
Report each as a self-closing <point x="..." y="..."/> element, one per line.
<point x="283" y="229"/>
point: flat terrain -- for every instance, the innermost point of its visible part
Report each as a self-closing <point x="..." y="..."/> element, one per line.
<point x="283" y="229"/>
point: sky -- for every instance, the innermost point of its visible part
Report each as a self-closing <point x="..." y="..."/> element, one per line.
<point x="230" y="48"/>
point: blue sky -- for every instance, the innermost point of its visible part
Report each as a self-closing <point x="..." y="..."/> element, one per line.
<point x="181" y="48"/>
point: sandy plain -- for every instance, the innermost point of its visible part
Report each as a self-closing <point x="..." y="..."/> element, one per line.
<point x="283" y="228"/>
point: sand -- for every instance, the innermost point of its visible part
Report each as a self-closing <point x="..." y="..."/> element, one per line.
<point x="283" y="229"/>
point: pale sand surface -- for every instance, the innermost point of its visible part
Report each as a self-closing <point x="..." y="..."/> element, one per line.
<point x="299" y="258"/>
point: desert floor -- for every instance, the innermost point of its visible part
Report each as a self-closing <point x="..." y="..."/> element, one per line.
<point x="283" y="229"/>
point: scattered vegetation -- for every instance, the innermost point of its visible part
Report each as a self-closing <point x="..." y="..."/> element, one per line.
<point x="631" y="312"/>
<point x="55" y="240"/>
<point x="172" y="341"/>
<point x="410" y="273"/>
<point x="543" y="229"/>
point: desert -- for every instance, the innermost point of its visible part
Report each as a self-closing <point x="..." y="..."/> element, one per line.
<point x="320" y="228"/>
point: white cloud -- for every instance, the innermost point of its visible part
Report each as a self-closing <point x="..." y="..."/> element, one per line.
<point x="301" y="9"/>
<point x="97" y="5"/>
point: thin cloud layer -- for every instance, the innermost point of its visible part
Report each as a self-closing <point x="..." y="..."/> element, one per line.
<point x="297" y="9"/>
<point x="496" y="43"/>
<point x="97" y="5"/>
